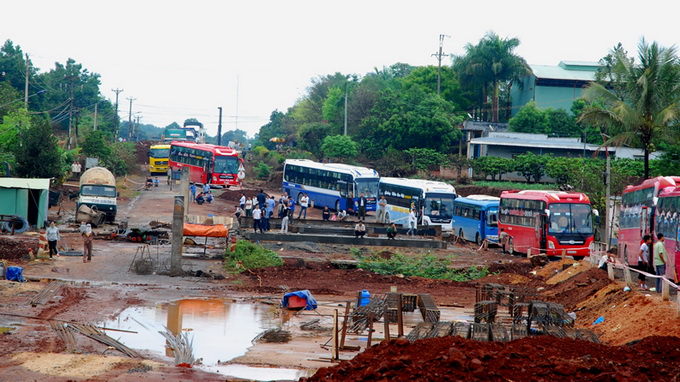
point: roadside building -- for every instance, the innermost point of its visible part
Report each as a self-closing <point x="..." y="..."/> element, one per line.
<point x="28" y="198"/>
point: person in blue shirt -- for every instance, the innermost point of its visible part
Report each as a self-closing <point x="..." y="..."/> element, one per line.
<point x="271" y="204"/>
<point x="192" y="188"/>
<point x="291" y="208"/>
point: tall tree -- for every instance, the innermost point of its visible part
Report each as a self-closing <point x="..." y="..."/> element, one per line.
<point x="492" y="64"/>
<point x="38" y="155"/>
<point x="647" y="107"/>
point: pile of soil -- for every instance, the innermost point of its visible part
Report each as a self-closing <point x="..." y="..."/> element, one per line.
<point x="541" y="358"/>
<point x="464" y="190"/>
<point x="16" y="250"/>
<point x="235" y="195"/>
<point x="578" y="288"/>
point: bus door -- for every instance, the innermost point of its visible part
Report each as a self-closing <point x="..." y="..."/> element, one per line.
<point x="644" y="221"/>
<point x="539" y="227"/>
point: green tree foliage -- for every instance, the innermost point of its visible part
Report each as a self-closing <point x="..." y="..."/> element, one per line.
<point x="122" y="159"/>
<point x="426" y="159"/>
<point x="565" y="170"/>
<point x="562" y="124"/>
<point x="491" y="65"/>
<point x="530" y="166"/>
<point x="339" y="146"/>
<point x="428" y="266"/>
<point x="263" y="170"/>
<point x="426" y="78"/>
<point x="94" y="145"/>
<point x="646" y="106"/>
<point x="274" y="128"/>
<point x="529" y="119"/>
<point x="236" y="136"/>
<point x="37" y="155"/>
<point x="492" y="166"/>
<point x="311" y="137"/>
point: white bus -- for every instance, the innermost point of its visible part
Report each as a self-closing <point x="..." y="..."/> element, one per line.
<point x="335" y="185"/>
<point x="432" y="200"/>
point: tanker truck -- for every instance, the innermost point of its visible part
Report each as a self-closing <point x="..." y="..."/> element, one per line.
<point x="97" y="196"/>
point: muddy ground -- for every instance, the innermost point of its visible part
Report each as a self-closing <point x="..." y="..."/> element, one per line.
<point x="100" y="290"/>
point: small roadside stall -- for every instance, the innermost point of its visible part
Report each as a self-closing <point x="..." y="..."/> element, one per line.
<point x="24" y="203"/>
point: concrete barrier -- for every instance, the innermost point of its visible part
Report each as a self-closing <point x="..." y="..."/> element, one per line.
<point x="347" y="240"/>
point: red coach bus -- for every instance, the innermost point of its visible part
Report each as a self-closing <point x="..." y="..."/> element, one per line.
<point x="545" y="221"/>
<point x="666" y="222"/>
<point x="212" y="164"/>
<point x="636" y="219"/>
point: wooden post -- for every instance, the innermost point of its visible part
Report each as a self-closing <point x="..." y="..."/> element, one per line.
<point x="610" y="270"/>
<point x="370" y="330"/>
<point x="177" y="236"/>
<point x="387" y="327"/>
<point x="564" y="254"/>
<point x="334" y="348"/>
<point x="400" y="317"/>
<point x="344" y="325"/>
<point x="665" y="290"/>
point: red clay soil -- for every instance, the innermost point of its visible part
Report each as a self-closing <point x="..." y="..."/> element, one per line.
<point x="540" y="358"/>
<point x="322" y="279"/>
<point x="578" y="288"/>
<point x="16" y="249"/>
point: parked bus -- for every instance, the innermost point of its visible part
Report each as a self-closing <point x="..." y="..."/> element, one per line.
<point x="334" y="185"/>
<point x="212" y="164"/>
<point x="475" y="218"/>
<point x="666" y="222"/>
<point x="433" y="201"/>
<point x="158" y="159"/>
<point x="545" y="222"/>
<point x="636" y="219"/>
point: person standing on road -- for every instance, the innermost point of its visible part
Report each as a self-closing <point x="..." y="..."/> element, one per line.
<point x="87" y="243"/>
<point x="52" y="235"/>
<point x="242" y="201"/>
<point x="291" y="209"/>
<point x="361" y="203"/>
<point x="262" y="199"/>
<point x="412" y="223"/>
<point x="192" y="188"/>
<point x="206" y="188"/>
<point x="271" y="204"/>
<point x="643" y="261"/>
<point x="382" y="209"/>
<point x="284" y="224"/>
<point x="257" y="215"/>
<point x="304" y="202"/>
<point x="249" y="207"/>
<point x="660" y="258"/>
<point x="264" y="219"/>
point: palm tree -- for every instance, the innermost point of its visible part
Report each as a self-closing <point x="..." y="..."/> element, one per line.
<point x="646" y="105"/>
<point x="491" y="63"/>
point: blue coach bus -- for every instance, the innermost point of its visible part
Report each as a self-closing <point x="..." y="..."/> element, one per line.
<point x="475" y="218"/>
<point x="335" y="185"/>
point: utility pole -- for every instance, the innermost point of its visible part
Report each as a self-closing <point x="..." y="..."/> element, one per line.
<point x="439" y="56"/>
<point x="116" y="118"/>
<point x="28" y="68"/>
<point x="137" y="129"/>
<point x="130" y="119"/>
<point x="96" y="112"/>
<point x="71" y="79"/>
<point x="345" y="108"/>
<point x="219" y="128"/>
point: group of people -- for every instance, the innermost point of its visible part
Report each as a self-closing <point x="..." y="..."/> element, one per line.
<point x="53" y="237"/>
<point x="205" y="196"/>
<point x="656" y="264"/>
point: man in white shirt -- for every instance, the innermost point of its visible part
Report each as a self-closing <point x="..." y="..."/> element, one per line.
<point x="304" y="203"/>
<point x="382" y="209"/>
<point x="643" y="261"/>
<point x="257" y="215"/>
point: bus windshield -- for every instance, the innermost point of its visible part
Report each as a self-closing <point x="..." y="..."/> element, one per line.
<point x="226" y="165"/>
<point x="159" y="153"/>
<point x="369" y="186"/>
<point x="439" y="206"/>
<point x="492" y="217"/>
<point x="570" y="218"/>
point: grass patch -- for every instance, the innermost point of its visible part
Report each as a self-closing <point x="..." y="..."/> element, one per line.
<point x="428" y="266"/>
<point x="515" y="185"/>
<point x="248" y="256"/>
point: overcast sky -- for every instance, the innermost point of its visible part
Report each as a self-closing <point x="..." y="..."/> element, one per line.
<point x="184" y="59"/>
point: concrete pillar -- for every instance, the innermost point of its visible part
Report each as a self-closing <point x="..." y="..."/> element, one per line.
<point x="184" y="190"/>
<point x="177" y="236"/>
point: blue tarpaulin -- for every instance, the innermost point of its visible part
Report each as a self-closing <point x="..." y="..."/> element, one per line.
<point x="304" y="294"/>
<point x="15" y="274"/>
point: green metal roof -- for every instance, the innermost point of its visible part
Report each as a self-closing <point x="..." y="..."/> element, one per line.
<point x="567" y="70"/>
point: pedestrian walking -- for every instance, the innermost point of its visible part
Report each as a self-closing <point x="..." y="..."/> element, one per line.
<point x="382" y="209"/>
<point x="304" y="202"/>
<point x="412" y="223"/>
<point x="643" y="261"/>
<point x="87" y="243"/>
<point x="660" y="260"/>
<point x="53" y="237"/>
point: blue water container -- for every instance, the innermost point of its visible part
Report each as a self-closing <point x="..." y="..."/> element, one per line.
<point x="365" y="298"/>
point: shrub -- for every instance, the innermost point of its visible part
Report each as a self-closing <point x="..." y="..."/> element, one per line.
<point x="263" y="170"/>
<point x="247" y="256"/>
<point x="427" y="266"/>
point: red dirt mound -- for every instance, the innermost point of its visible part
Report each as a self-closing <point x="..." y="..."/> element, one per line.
<point x="16" y="250"/>
<point x="541" y="358"/>
<point x="578" y="288"/>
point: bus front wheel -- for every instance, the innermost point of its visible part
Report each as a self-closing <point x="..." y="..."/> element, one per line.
<point x="337" y="206"/>
<point x="461" y="235"/>
<point x="478" y="239"/>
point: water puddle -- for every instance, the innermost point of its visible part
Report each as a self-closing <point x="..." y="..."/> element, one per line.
<point x="221" y="331"/>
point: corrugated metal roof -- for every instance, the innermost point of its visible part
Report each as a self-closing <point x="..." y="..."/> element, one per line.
<point x="33" y="184"/>
<point x="539" y="143"/>
<point x="583" y="73"/>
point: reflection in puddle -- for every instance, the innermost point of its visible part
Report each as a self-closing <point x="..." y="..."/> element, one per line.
<point x="221" y="331"/>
